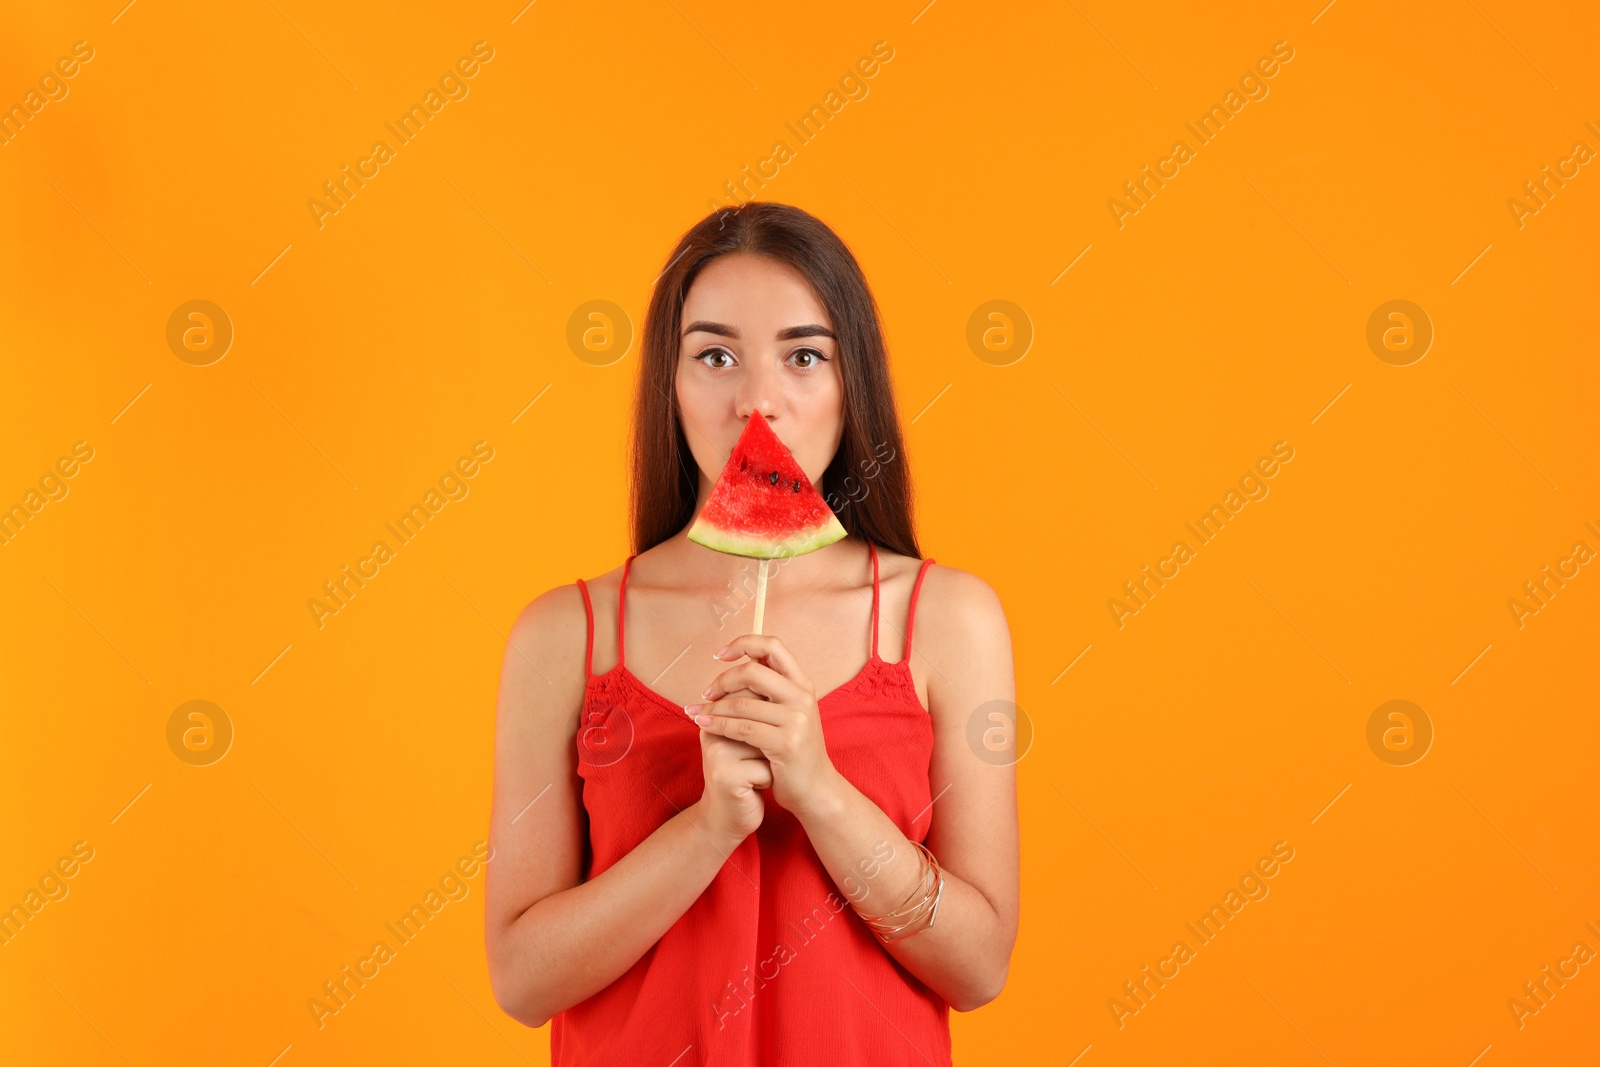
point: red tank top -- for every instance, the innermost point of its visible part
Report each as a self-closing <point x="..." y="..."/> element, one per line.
<point x="771" y="965"/>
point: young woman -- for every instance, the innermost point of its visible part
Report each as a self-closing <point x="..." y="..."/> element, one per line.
<point x="822" y="860"/>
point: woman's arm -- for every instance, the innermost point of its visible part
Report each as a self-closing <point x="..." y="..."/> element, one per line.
<point x="966" y="955"/>
<point x="553" y="940"/>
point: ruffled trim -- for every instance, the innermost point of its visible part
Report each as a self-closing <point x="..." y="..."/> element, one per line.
<point x="883" y="679"/>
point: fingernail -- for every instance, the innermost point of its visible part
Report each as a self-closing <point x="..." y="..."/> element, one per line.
<point x="706" y="692"/>
<point x="690" y="709"/>
<point x="718" y="653"/>
<point x="702" y="720"/>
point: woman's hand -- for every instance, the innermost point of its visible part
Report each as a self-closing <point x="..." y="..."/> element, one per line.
<point x="781" y="720"/>
<point x="730" y="801"/>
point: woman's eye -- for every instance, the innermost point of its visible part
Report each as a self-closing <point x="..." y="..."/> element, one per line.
<point x="815" y="358"/>
<point x="713" y="353"/>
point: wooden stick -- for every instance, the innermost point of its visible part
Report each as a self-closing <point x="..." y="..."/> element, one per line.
<point x="761" y="594"/>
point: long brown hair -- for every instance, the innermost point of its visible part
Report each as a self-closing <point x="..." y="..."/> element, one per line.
<point x="868" y="483"/>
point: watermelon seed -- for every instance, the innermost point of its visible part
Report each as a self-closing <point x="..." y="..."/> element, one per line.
<point x="773" y="478"/>
<point x="797" y="486"/>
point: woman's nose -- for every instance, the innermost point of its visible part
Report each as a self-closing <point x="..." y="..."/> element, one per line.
<point x="760" y="391"/>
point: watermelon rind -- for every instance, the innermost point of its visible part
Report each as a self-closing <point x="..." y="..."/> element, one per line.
<point x="810" y="540"/>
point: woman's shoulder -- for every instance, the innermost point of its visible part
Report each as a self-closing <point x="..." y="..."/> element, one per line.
<point x="555" y="614"/>
<point x="953" y="605"/>
<point x="955" y="590"/>
<point x="556" y="621"/>
<point x="958" y="620"/>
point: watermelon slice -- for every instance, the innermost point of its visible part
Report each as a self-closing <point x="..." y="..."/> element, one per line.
<point x="763" y="505"/>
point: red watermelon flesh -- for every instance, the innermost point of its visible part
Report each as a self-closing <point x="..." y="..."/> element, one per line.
<point x="763" y="505"/>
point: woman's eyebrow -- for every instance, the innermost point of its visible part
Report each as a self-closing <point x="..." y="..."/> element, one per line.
<point x="810" y="329"/>
<point x="702" y="326"/>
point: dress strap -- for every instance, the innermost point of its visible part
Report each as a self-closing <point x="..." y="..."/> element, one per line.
<point x="622" y="593"/>
<point x="588" y="641"/>
<point x="874" y="550"/>
<point x="911" y="615"/>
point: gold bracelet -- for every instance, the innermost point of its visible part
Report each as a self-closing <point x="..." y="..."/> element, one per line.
<point x="912" y="921"/>
<point x="913" y="924"/>
<point x="923" y="901"/>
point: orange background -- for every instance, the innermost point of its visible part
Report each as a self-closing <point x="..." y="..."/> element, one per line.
<point x="1228" y="314"/>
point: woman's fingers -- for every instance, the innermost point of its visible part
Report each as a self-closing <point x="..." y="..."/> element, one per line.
<point x="731" y="749"/>
<point x="762" y="735"/>
<point x="744" y="762"/>
<point x="756" y="677"/>
<point x="752" y="709"/>
<point x="768" y="650"/>
<point x="760" y="774"/>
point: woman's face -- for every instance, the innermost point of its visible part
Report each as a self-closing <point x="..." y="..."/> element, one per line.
<point x="756" y="343"/>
